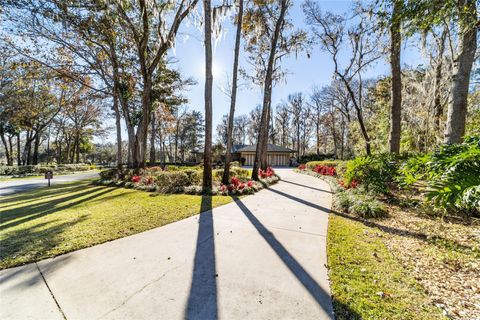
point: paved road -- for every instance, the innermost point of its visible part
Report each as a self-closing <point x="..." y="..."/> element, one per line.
<point x="19" y="185"/>
<point x="261" y="257"/>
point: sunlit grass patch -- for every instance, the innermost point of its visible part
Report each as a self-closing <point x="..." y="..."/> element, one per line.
<point x="50" y="221"/>
<point x="367" y="281"/>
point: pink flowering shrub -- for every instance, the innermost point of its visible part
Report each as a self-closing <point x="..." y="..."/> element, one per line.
<point x="136" y="179"/>
<point x="302" y="167"/>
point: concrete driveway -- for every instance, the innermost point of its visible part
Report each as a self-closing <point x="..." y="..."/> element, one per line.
<point x="18" y="185"/>
<point x="261" y="257"/>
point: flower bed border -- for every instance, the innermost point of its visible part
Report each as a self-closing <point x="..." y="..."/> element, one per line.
<point x="234" y="189"/>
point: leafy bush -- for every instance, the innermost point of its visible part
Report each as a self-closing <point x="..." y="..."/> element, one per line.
<point x="314" y="157"/>
<point x="108" y="174"/>
<point x="331" y="163"/>
<point x="454" y="176"/>
<point x="172" y="182"/>
<point x="234" y="172"/>
<point x="360" y="204"/>
<point x="376" y="173"/>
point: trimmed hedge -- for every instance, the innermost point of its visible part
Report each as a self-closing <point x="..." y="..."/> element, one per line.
<point x="41" y="169"/>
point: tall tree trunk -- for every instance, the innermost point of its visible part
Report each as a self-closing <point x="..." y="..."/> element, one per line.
<point x="35" y="149"/>
<point x="142" y="132"/>
<point x="358" y="111"/>
<point x="77" y="148"/>
<point x="233" y="98"/>
<point x="118" y="126"/>
<point x="261" y="150"/>
<point x="10" y="144"/>
<point x="395" y="47"/>
<point x="152" y="141"/>
<point x="317" y="130"/>
<point x="19" y="158"/>
<point x="437" y="103"/>
<point x="207" y="154"/>
<point x="462" y="67"/>
<point x="7" y="152"/>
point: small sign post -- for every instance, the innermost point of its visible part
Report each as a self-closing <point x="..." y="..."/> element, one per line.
<point x="49" y="175"/>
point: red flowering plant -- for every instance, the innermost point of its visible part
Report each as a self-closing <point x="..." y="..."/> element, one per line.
<point x="236" y="186"/>
<point x="269" y="172"/>
<point x="235" y="181"/>
<point x="302" y="167"/>
<point x="136" y="179"/>
<point x="325" y="170"/>
<point x="352" y="184"/>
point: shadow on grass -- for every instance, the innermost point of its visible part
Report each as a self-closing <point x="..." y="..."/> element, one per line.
<point x="202" y="299"/>
<point x="344" y="312"/>
<point x="314" y="289"/>
<point x="30" y="212"/>
<point x="435" y="240"/>
<point x="33" y="243"/>
<point x="42" y="193"/>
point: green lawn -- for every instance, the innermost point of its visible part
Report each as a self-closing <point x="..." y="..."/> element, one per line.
<point x="367" y="281"/>
<point x="50" y="221"/>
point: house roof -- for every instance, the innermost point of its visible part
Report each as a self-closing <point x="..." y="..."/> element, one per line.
<point x="237" y="147"/>
<point x="270" y="148"/>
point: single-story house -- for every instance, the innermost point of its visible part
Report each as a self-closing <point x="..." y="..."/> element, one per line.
<point x="276" y="155"/>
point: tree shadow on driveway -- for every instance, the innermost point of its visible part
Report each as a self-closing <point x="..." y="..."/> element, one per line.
<point x="314" y="289"/>
<point x="202" y="300"/>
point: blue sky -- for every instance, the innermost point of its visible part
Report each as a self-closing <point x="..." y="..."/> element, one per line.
<point x="304" y="73"/>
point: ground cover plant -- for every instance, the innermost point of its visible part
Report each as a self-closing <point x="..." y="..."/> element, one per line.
<point x="50" y="221"/>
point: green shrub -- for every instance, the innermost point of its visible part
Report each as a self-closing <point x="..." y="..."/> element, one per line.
<point x="412" y="169"/>
<point x="376" y="173"/>
<point x="359" y="204"/>
<point x="171" y="182"/>
<point x="314" y="157"/>
<point x="108" y="174"/>
<point x="194" y="176"/>
<point x="242" y="174"/>
<point x="454" y="176"/>
<point x="235" y="164"/>
<point x="331" y="163"/>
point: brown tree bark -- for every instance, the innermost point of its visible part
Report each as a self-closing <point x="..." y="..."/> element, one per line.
<point x="395" y="47"/>
<point x="462" y="67"/>
<point x="7" y="151"/>
<point x="262" y="141"/>
<point x="233" y="98"/>
<point x="19" y="157"/>
<point x="118" y="126"/>
<point x="207" y="153"/>
<point x="152" y="141"/>
<point x="437" y="103"/>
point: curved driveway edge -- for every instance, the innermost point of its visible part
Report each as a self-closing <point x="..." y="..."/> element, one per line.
<point x="260" y="257"/>
<point x="13" y="186"/>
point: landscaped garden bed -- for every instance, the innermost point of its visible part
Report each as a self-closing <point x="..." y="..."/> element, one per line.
<point x="404" y="234"/>
<point x="174" y="179"/>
